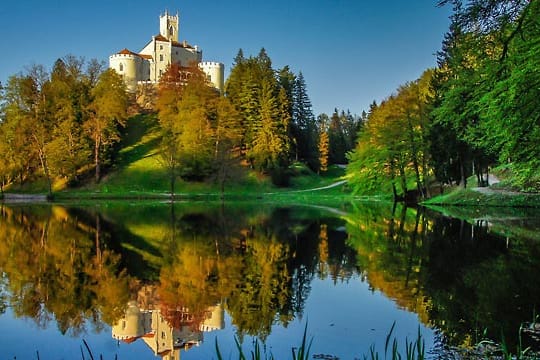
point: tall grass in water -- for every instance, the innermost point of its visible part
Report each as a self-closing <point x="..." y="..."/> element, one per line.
<point x="414" y="350"/>
<point x="300" y="353"/>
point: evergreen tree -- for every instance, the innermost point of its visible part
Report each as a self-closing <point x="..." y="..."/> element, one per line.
<point x="304" y="129"/>
<point x="336" y="138"/>
<point x="227" y="143"/>
<point x="70" y="96"/>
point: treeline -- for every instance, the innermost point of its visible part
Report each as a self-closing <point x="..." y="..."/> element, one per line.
<point x="60" y="124"/>
<point x="63" y="124"/>
<point x="477" y="110"/>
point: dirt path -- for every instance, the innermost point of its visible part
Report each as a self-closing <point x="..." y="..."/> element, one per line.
<point x="24" y="198"/>
<point x="492" y="180"/>
<point x="313" y="189"/>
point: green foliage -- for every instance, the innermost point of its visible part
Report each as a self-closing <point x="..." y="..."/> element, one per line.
<point x="487" y="91"/>
<point x="107" y="113"/>
<point x="51" y="120"/>
<point x="393" y="146"/>
<point x="466" y="197"/>
<point x="263" y="101"/>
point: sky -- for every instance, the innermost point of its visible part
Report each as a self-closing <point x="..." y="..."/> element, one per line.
<point x="351" y="52"/>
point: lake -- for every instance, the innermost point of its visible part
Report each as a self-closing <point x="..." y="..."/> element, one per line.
<point x="128" y="280"/>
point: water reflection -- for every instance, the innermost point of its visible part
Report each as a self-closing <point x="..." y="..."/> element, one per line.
<point x="165" y="331"/>
<point x="166" y="274"/>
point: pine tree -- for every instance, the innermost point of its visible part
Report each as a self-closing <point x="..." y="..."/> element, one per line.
<point x="304" y="129"/>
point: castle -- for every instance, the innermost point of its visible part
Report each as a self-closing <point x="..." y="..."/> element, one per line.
<point x="150" y="63"/>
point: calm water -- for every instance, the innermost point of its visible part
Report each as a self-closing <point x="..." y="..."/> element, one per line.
<point x="151" y="281"/>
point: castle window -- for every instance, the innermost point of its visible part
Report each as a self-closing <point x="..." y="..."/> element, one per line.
<point x="160" y="57"/>
<point x="121" y="67"/>
<point x="171" y="31"/>
<point x="160" y="47"/>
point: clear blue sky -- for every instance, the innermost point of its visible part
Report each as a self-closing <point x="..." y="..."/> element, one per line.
<point x="351" y="52"/>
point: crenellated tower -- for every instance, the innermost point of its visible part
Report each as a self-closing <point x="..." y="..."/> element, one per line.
<point x="169" y="26"/>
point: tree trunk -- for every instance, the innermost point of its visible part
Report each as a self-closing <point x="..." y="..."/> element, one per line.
<point x="173" y="182"/>
<point x="463" y="180"/>
<point x="414" y="152"/>
<point x="45" y="168"/>
<point x="403" y="178"/>
<point x="96" y="159"/>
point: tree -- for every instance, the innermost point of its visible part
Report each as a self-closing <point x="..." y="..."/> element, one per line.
<point x="108" y="112"/>
<point x="169" y="94"/>
<point x="264" y="101"/>
<point x="324" y="142"/>
<point x="304" y="129"/>
<point x="336" y="138"/>
<point x="480" y="84"/>
<point x="394" y="142"/>
<point x="27" y="123"/>
<point x="69" y="96"/>
<point x="194" y="125"/>
<point x="227" y="142"/>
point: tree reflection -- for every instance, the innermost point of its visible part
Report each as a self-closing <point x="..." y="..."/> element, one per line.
<point x="457" y="277"/>
<point x="54" y="269"/>
<point x="259" y="263"/>
<point x="82" y="267"/>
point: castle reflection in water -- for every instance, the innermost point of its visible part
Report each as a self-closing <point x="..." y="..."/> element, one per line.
<point x="165" y="331"/>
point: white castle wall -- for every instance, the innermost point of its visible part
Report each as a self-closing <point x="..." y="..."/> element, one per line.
<point x="215" y="72"/>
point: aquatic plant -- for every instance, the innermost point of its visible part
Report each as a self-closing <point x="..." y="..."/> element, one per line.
<point x="300" y="353"/>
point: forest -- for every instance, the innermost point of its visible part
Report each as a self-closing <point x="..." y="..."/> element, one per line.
<point x="477" y="111"/>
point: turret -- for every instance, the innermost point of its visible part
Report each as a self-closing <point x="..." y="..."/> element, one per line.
<point x="214" y="72"/>
<point x="131" y="66"/>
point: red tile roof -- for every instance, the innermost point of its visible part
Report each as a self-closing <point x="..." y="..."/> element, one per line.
<point x="160" y="37"/>
<point x="127" y="52"/>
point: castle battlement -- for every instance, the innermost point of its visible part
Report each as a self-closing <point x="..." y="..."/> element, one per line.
<point x="124" y="56"/>
<point x="210" y="64"/>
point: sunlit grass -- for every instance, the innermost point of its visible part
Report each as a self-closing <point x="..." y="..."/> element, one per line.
<point x="138" y="174"/>
<point x="468" y="197"/>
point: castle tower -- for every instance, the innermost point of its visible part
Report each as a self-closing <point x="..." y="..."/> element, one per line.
<point x="214" y="72"/>
<point x="169" y="26"/>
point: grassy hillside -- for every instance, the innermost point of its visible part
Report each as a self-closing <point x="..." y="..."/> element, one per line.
<point x="138" y="172"/>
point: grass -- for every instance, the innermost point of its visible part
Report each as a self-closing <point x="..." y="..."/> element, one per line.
<point x="138" y="174"/>
<point x="414" y="350"/>
<point x="258" y="353"/>
<point x="468" y="197"/>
